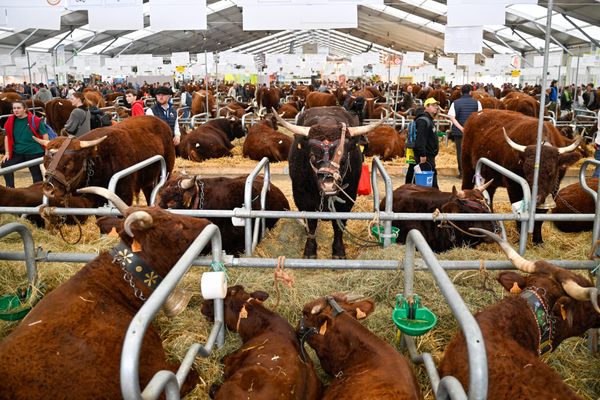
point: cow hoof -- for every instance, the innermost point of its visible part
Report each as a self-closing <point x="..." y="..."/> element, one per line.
<point x="310" y="256"/>
<point x="336" y="257"/>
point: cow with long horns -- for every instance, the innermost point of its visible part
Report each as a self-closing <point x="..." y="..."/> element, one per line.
<point x="69" y="346"/>
<point x="325" y="166"/>
<point x="548" y="305"/>
<point x="509" y="139"/>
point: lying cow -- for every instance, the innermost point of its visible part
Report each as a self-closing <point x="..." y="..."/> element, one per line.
<point x="235" y="109"/>
<point x="573" y="199"/>
<point x="32" y="196"/>
<point x="211" y="140"/>
<point x="263" y="140"/>
<point x="325" y="165"/>
<point x="197" y="193"/>
<point x="70" y="344"/>
<point x="552" y="305"/>
<point x="289" y="109"/>
<point x="386" y="143"/>
<point x="271" y="364"/>
<point x="444" y="235"/>
<point x="362" y="365"/>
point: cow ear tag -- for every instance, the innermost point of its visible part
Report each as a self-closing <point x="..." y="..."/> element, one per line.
<point x="244" y="312"/>
<point x="113" y="232"/>
<point x="515" y="289"/>
<point x="360" y="314"/>
<point x="299" y="146"/>
<point x="563" y="312"/>
<point x="136" y="246"/>
<point x="323" y="328"/>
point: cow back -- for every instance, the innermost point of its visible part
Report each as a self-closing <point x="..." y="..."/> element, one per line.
<point x="573" y="199"/>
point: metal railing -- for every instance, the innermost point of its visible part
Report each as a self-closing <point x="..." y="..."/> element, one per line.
<point x="114" y="180"/>
<point x="251" y="241"/>
<point x="523" y="213"/>
<point x="165" y="380"/>
<point x="448" y="387"/>
<point x="28" y="248"/>
<point x="377" y="166"/>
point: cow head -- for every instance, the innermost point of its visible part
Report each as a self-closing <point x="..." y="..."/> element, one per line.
<point x="236" y="129"/>
<point x="238" y="304"/>
<point x="328" y="146"/>
<point x="325" y="322"/>
<point x="571" y="299"/>
<point x="181" y="191"/>
<point x="68" y="164"/>
<point x="554" y="162"/>
<point x="143" y="231"/>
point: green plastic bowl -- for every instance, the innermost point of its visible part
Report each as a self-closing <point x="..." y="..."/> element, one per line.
<point x="14" y="308"/>
<point x="418" y="324"/>
<point x="377" y="230"/>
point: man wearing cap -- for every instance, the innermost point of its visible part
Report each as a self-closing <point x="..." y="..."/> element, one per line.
<point x="459" y="112"/>
<point x="165" y="111"/>
<point x="426" y="143"/>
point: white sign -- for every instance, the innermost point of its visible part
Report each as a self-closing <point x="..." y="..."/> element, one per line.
<point x="475" y="13"/>
<point x="6" y="59"/>
<point x="180" y="58"/>
<point x="317" y="16"/>
<point x="445" y="62"/>
<point x="40" y="17"/>
<point x="465" y="59"/>
<point x="115" y="15"/>
<point x="463" y="39"/>
<point x="178" y="15"/>
<point x="413" y="58"/>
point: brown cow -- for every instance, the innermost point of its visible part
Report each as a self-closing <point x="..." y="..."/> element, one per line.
<point x="94" y="98"/>
<point x="211" y="140"/>
<point x="289" y="109"/>
<point x="268" y="98"/>
<point x="521" y="102"/>
<point x="318" y="99"/>
<point x="386" y="142"/>
<point x="58" y="112"/>
<point x="199" y="103"/>
<point x="362" y="365"/>
<point x="197" y="193"/>
<point x="573" y="199"/>
<point x="235" y="109"/>
<point x="488" y="101"/>
<point x="271" y="364"/>
<point x="10" y="96"/>
<point x="77" y="330"/>
<point x="552" y="305"/>
<point x="95" y="157"/>
<point x="301" y="92"/>
<point x="515" y="150"/>
<point x="38" y="104"/>
<point x="263" y="140"/>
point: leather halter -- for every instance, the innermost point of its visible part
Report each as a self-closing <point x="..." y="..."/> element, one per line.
<point x="330" y="168"/>
<point x="53" y="175"/>
<point x="542" y="317"/>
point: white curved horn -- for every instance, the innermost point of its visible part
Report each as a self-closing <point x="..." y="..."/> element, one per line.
<point x="186" y="183"/>
<point x="142" y="217"/>
<point x="363" y="130"/>
<point x="483" y="187"/>
<point x="90" y="143"/>
<point x="516" y="146"/>
<point x="108" y="195"/>
<point x="518" y="261"/>
<point x="295" y="129"/>
<point x="582" y="293"/>
<point x="571" y="147"/>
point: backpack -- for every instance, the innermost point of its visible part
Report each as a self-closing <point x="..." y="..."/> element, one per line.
<point x="411" y="137"/>
<point x="49" y="130"/>
<point x="98" y="118"/>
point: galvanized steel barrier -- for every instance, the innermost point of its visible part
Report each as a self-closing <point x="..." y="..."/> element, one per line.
<point x="28" y="248"/>
<point x="114" y="180"/>
<point x="447" y="387"/>
<point x="164" y="380"/>
<point x="377" y="166"/>
<point x="251" y="241"/>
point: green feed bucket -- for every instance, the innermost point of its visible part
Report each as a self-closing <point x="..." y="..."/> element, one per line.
<point x="411" y="318"/>
<point x="13" y="307"/>
<point x="377" y="231"/>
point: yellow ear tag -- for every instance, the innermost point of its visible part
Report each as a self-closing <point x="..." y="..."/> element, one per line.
<point x="299" y="146"/>
<point x="323" y="328"/>
<point x="360" y="314"/>
<point x="243" y="312"/>
<point x="136" y="246"/>
<point x="515" y="289"/>
<point x="113" y="232"/>
<point x="563" y="312"/>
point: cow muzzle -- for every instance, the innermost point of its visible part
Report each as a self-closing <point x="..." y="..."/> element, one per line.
<point x="547" y="204"/>
<point x="329" y="181"/>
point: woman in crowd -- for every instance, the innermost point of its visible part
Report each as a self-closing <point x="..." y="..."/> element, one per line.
<point x="79" y="121"/>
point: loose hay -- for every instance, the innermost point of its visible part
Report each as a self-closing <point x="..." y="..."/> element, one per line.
<point x="572" y="359"/>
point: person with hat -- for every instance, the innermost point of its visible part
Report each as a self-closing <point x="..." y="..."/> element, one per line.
<point x="165" y="111"/>
<point x="426" y="143"/>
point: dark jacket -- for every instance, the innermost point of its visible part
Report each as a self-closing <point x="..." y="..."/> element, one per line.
<point x="426" y="144"/>
<point x="464" y="107"/>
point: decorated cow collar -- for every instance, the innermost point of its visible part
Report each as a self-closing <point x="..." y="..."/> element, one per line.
<point x="135" y="267"/>
<point x="544" y="322"/>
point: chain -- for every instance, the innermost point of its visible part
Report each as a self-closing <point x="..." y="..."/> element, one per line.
<point x="201" y="202"/>
<point x="89" y="171"/>
<point x="128" y="277"/>
<point x="567" y="204"/>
